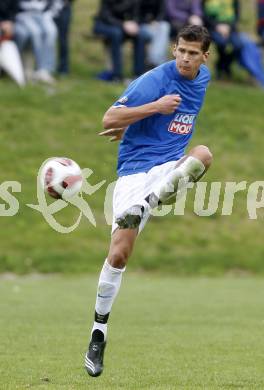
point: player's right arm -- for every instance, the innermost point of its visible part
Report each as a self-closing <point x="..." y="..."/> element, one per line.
<point x="122" y="116"/>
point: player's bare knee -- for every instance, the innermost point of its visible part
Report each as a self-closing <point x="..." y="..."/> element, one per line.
<point x="119" y="253"/>
<point x="118" y="258"/>
<point x="203" y="153"/>
<point x="121" y="247"/>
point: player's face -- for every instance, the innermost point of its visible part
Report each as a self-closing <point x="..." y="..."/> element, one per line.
<point x="189" y="56"/>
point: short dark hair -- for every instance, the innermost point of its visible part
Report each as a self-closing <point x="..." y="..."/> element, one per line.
<point x="193" y="33"/>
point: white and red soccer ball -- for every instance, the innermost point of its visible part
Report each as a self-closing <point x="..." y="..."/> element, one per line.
<point x="61" y="177"/>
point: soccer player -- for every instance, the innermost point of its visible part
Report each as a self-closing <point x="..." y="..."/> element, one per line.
<point x="155" y="116"/>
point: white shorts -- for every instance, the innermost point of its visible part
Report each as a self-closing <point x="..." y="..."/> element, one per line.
<point x="132" y="190"/>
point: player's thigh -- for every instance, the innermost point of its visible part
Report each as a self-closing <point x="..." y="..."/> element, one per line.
<point x="129" y="191"/>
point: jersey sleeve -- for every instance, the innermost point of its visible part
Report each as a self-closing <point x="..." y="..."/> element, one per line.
<point x="141" y="91"/>
<point x="206" y="73"/>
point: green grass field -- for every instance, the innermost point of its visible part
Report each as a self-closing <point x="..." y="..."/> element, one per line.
<point x="40" y="122"/>
<point x="165" y="333"/>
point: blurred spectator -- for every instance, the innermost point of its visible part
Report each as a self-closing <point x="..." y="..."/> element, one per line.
<point x="117" y="21"/>
<point x="63" y="21"/>
<point x="152" y="20"/>
<point x="35" y="25"/>
<point x="183" y="12"/>
<point x="8" y="10"/>
<point x="261" y="19"/>
<point x="10" y="61"/>
<point x="221" y="17"/>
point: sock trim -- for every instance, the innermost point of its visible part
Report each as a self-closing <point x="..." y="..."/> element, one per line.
<point x="101" y="318"/>
<point x="113" y="269"/>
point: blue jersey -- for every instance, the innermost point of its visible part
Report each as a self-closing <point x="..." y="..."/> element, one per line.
<point x="160" y="138"/>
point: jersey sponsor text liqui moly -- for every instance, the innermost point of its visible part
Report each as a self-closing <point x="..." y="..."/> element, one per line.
<point x="182" y="123"/>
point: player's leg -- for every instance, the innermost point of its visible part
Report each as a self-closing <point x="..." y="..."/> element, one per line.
<point x="202" y="153"/>
<point x="190" y="168"/>
<point x="121" y="247"/>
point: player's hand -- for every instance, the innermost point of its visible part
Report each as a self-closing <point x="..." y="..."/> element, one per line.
<point x="168" y="104"/>
<point x="115" y="134"/>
